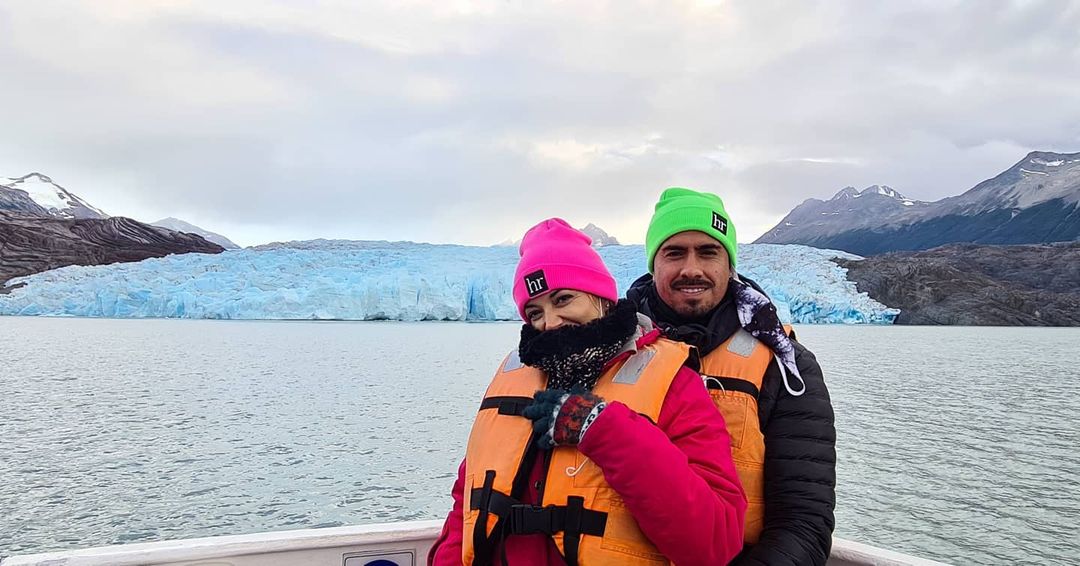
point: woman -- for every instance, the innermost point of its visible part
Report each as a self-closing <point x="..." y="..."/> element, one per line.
<point x="594" y="443"/>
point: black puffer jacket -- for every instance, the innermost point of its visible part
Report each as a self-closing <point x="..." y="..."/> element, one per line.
<point x="800" y="439"/>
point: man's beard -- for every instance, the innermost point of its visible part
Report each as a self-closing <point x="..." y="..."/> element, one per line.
<point x="696" y="310"/>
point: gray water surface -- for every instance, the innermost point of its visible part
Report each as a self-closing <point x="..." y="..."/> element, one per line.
<point x="957" y="444"/>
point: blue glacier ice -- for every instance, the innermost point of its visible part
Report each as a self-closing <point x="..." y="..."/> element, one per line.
<point x="344" y="280"/>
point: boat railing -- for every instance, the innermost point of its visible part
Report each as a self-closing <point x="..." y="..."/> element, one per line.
<point x="388" y="544"/>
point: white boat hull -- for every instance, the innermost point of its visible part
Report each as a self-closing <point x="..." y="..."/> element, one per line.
<point x="398" y="544"/>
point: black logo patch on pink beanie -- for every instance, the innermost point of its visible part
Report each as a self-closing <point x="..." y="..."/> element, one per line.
<point x="536" y="283"/>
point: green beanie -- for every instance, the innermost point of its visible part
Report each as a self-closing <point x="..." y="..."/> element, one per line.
<point x="681" y="210"/>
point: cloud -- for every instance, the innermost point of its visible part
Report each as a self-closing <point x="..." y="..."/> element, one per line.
<point x="468" y="122"/>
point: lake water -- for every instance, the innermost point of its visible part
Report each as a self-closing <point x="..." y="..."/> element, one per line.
<point x="958" y="444"/>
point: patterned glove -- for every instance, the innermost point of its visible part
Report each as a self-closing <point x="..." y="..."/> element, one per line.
<point x="561" y="418"/>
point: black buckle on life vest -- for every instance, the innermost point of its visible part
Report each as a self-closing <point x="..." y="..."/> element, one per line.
<point x="532" y="519"/>
<point x="525" y="519"/>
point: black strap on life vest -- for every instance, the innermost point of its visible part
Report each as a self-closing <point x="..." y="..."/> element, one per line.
<point x="574" y="526"/>
<point x="483" y="545"/>
<point x="512" y="406"/>
<point x="731" y="384"/>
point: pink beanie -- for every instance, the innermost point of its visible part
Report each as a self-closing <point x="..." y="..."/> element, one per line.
<point x="556" y="256"/>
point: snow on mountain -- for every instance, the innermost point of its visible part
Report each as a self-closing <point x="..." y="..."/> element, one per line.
<point x="180" y="226"/>
<point x="1035" y="201"/>
<point x="391" y="281"/>
<point x="53" y="198"/>
<point x="887" y="191"/>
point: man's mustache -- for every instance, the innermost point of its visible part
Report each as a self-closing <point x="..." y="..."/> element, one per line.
<point x="690" y="283"/>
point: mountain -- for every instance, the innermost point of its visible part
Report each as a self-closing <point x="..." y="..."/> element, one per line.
<point x="181" y="226"/>
<point x="849" y="209"/>
<point x="1035" y="201"/>
<point x="600" y="238"/>
<point x="43" y="226"/>
<point x="36" y="194"/>
<point x="31" y="244"/>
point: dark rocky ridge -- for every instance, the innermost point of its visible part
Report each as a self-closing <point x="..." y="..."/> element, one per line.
<point x="31" y="243"/>
<point x="977" y="285"/>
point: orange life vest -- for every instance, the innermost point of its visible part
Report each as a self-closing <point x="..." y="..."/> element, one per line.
<point x="733" y="372"/>
<point x="585" y="517"/>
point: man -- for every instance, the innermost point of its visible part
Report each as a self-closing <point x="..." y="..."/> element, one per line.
<point x="768" y="386"/>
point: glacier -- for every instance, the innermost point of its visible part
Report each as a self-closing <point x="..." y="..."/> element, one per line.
<point x="364" y="280"/>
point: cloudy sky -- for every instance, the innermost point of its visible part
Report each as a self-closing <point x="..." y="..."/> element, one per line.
<point x="468" y="122"/>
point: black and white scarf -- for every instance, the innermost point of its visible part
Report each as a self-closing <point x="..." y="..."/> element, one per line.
<point x="573" y="357"/>
<point x="757" y="315"/>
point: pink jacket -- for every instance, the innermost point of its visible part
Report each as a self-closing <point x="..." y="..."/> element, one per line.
<point x="676" y="477"/>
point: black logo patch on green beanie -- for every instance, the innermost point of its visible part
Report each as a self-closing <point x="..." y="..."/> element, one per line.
<point x="719" y="223"/>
